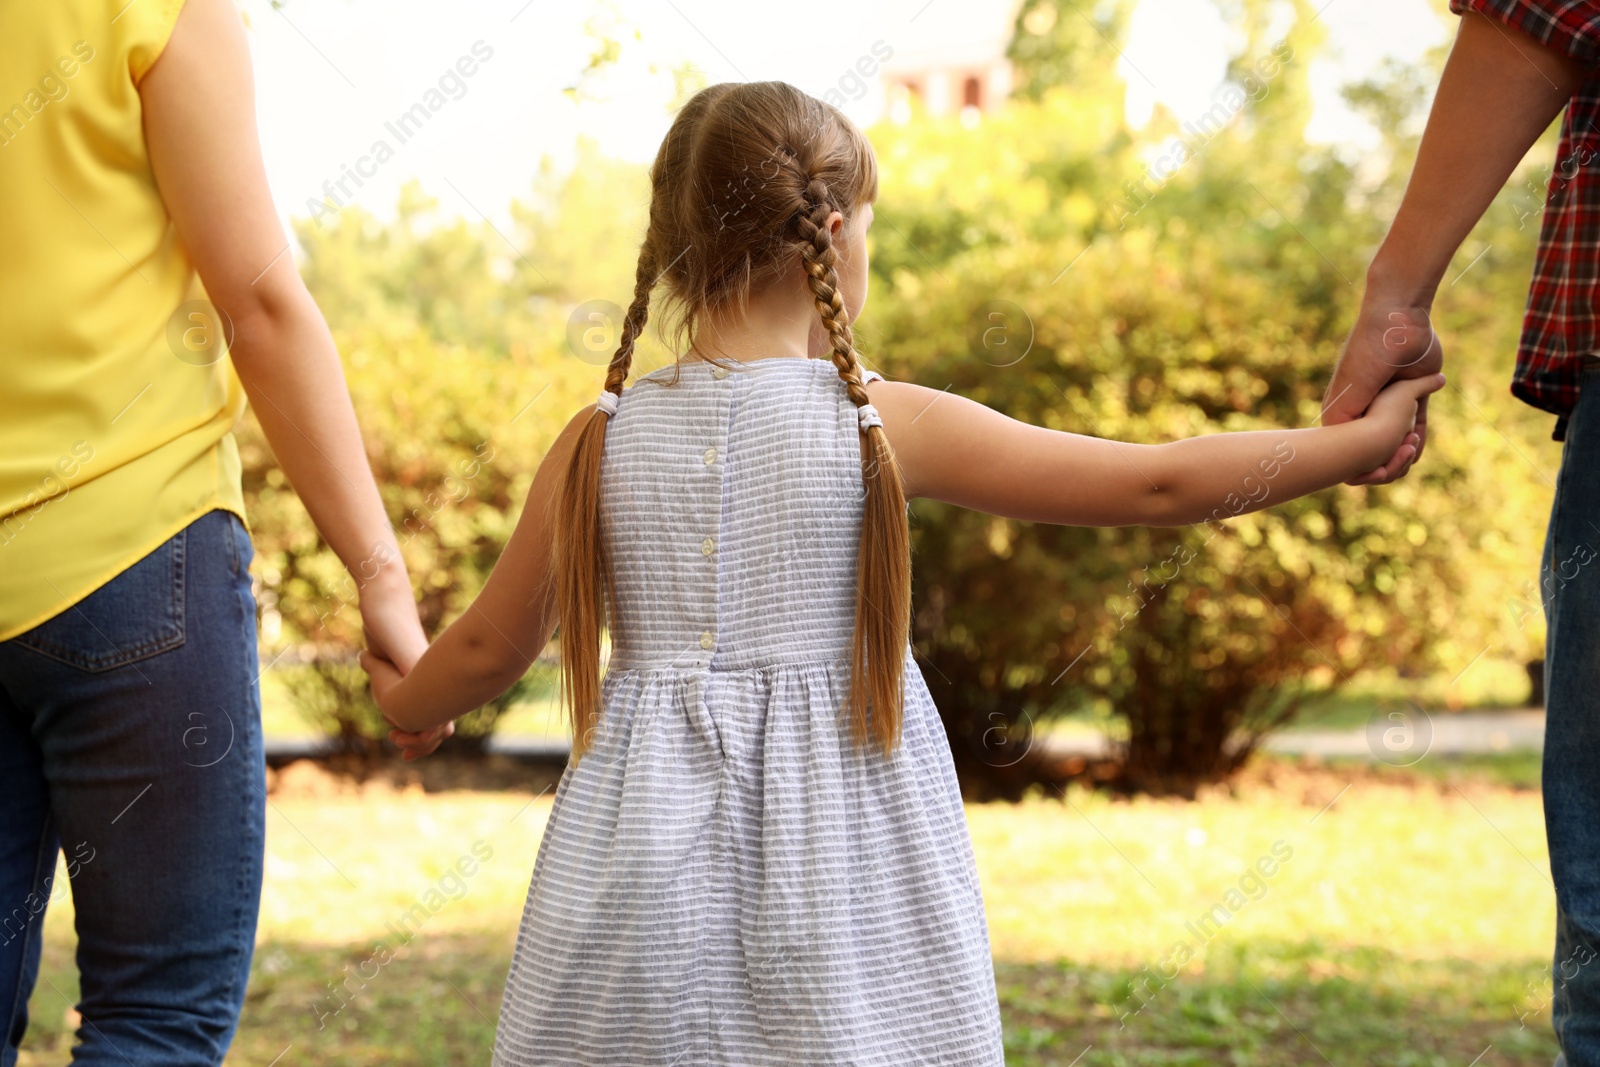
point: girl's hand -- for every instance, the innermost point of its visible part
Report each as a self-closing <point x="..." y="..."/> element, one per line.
<point x="385" y="679"/>
<point x="1395" y="412"/>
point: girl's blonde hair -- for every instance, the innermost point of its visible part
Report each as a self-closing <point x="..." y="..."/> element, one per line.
<point x="745" y="180"/>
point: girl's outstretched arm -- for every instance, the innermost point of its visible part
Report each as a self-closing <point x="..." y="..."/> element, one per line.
<point x="957" y="450"/>
<point x="485" y="651"/>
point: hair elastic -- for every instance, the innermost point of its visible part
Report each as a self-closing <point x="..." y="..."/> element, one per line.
<point x="607" y="402"/>
<point x="868" y="416"/>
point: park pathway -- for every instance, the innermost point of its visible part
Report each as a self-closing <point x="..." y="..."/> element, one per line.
<point x="1452" y="734"/>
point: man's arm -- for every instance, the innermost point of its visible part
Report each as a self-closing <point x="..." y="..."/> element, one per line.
<point x="199" y="118"/>
<point x="1500" y="90"/>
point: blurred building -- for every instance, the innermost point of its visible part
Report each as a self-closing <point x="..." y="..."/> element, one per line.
<point x="951" y="59"/>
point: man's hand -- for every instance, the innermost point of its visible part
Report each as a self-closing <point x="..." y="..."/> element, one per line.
<point x="1392" y="340"/>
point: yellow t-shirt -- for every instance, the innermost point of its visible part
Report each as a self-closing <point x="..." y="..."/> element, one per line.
<point x="115" y="415"/>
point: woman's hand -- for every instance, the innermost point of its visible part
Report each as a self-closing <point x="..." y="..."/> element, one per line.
<point x="413" y="746"/>
<point x="389" y="619"/>
<point x="387" y="682"/>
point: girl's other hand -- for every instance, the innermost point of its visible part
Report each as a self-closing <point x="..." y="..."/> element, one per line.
<point x="385" y="678"/>
<point x="1394" y="410"/>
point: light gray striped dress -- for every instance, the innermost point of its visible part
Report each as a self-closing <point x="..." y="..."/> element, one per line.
<point x="726" y="878"/>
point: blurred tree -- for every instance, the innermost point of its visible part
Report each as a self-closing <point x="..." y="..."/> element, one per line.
<point x="1057" y="43"/>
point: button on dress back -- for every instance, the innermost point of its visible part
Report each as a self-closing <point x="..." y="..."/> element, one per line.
<point x="731" y="502"/>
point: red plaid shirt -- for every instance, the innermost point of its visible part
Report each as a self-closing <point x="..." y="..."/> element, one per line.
<point x="1562" y="323"/>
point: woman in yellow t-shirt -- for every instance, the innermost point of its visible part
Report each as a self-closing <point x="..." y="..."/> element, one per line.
<point x="130" y="169"/>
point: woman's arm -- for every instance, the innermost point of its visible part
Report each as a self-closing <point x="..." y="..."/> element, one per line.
<point x="485" y="651"/>
<point x="959" y="451"/>
<point x="200" y="126"/>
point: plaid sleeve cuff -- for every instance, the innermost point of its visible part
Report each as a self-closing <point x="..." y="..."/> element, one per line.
<point x="1571" y="27"/>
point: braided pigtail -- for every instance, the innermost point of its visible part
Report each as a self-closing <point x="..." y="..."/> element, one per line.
<point x="582" y="570"/>
<point x="747" y="176"/>
<point x="883" y="560"/>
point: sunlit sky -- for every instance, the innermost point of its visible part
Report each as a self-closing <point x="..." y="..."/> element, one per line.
<point x="330" y="74"/>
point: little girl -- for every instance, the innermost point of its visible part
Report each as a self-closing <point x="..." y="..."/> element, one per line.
<point x="758" y="854"/>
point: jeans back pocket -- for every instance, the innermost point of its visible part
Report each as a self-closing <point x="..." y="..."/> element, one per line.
<point x="136" y="615"/>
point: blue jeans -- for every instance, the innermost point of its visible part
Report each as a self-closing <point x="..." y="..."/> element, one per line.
<point x="130" y="738"/>
<point x="1570" y="581"/>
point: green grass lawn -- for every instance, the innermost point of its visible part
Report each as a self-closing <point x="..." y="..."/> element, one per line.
<point x="1405" y="921"/>
<point x="1517" y="769"/>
